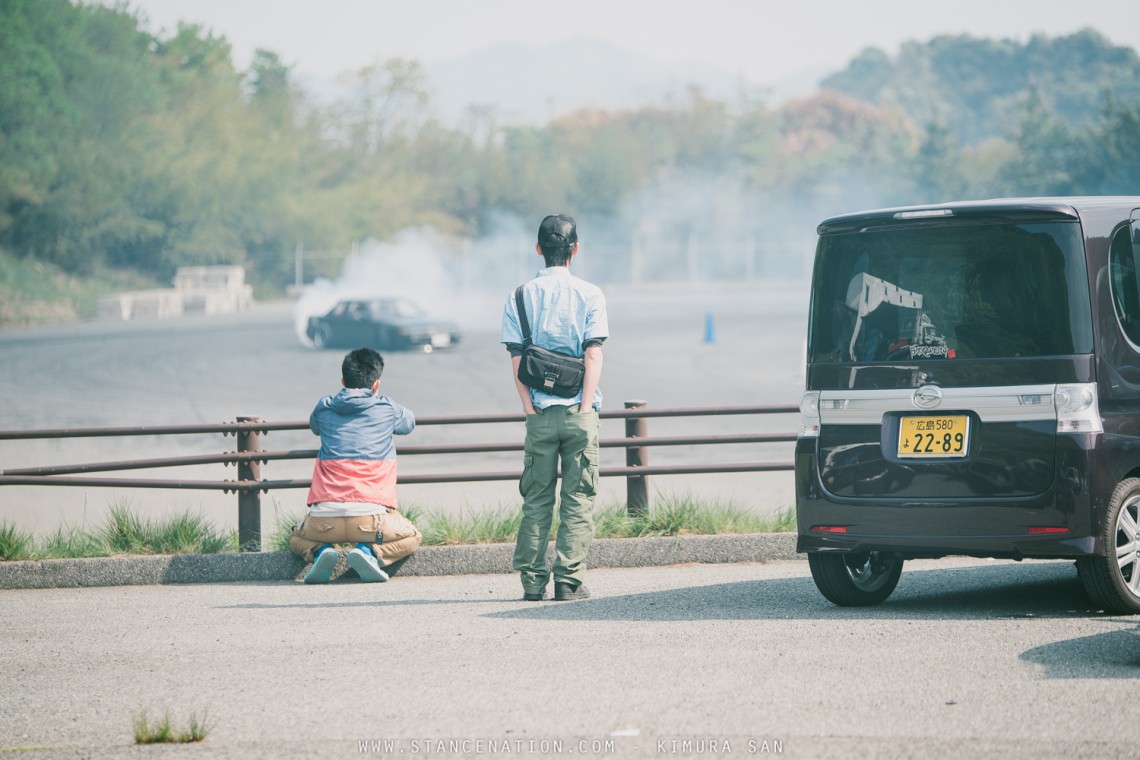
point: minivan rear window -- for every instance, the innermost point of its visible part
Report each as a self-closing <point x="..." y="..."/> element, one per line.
<point x="946" y="292"/>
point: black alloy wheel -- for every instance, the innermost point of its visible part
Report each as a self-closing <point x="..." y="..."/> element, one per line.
<point x="1112" y="580"/>
<point x="855" y="579"/>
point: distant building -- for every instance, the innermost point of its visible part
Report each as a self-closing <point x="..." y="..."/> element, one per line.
<point x="197" y="290"/>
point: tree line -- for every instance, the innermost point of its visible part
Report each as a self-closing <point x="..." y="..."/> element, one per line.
<point x="120" y="148"/>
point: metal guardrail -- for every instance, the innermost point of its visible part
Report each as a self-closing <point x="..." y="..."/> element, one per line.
<point x="249" y="457"/>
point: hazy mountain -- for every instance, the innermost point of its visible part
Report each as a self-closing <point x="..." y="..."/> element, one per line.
<point x="533" y="84"/>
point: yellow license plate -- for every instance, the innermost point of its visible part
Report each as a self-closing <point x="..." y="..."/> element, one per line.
<point x="941" y="436"/>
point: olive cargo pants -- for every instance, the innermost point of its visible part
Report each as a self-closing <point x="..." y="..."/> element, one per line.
<point x="557" y="433"/>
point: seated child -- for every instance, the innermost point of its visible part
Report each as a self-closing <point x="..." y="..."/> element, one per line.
<point x="353" y="496"/>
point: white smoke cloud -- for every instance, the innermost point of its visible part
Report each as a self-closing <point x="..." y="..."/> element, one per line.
<point x="685" y="228"/>
<point x="460" y="280"/>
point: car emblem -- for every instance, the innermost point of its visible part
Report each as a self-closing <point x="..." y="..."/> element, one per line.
<point x="928" y="397"/>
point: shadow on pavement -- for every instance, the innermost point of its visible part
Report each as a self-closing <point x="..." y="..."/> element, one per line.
<point x="370" y="603"/>
<point x="1115" y="654"/>
<point x="1046" y="590"/>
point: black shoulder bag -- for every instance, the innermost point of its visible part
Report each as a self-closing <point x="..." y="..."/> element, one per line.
<point x="549" y="371"/>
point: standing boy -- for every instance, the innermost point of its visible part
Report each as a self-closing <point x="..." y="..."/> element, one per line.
<point x="568" y="315"/>
<point x="353" y="496"/>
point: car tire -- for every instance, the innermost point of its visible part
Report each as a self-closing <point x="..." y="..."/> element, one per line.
<point x="322" y="336"/>
<point x="1112" y="580"/>
<point x="855" y="579"/>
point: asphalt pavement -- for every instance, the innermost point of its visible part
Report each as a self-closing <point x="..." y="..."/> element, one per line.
<point x="969" y="658"/>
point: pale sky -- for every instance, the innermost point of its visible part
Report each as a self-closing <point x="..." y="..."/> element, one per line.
<point x="764" y="41"/>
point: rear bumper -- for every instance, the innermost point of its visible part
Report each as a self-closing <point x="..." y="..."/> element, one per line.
<point x="995" y="527"/>
<point x="928" y="546"/>
<point x="420" y="341"/>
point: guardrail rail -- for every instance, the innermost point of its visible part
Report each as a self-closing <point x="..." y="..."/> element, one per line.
<point x="249" y="456"/>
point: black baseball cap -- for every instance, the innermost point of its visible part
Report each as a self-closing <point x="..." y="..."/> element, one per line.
<point x="557" y="230"/>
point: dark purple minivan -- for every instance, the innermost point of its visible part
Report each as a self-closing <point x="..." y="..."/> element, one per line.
<point x="973" y="388"/>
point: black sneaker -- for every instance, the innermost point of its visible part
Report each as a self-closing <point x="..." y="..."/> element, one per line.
<point x="540" y="596"/>
<point x="564" y="592"/>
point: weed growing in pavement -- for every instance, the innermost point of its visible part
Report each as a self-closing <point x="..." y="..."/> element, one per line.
<point x="161" y="732"/>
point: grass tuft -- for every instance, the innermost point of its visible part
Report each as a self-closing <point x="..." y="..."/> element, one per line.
<point x="283" y="523"/>
<point x="190" y="534"/>
<point x="128" y="533"/>
<point x="493" y="526"/>
<point x="679" y="515"/>
<point x="161" y="731"/>
<point x="15" y="543"/>
<point x="125" y="532"/>
<point x="70" y="542"/>
<point x="673" y="516"/>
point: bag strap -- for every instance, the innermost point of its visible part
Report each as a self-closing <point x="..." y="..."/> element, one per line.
<point x="523" y="323"/>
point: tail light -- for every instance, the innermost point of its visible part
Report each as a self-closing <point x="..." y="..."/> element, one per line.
<point x="1077" y="408"/>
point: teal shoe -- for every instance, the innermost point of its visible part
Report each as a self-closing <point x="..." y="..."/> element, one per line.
<point x="363" y="561"/>
<point x="324" y="562"/>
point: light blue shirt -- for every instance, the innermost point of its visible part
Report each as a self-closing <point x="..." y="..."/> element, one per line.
<point x="564" y="312"/>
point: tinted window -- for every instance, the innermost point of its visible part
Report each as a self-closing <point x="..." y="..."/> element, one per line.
<point x="401" y="309"/>
<point x="1125" y="293"/>
<point x="950" y="292"/>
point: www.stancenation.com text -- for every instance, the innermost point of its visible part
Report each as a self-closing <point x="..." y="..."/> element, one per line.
<point x="587" y="747"/>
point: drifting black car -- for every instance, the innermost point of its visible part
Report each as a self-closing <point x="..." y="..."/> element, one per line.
<point x="381" y="323"/>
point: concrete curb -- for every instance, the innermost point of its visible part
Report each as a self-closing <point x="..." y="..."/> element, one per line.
<point x="472" y="559"/>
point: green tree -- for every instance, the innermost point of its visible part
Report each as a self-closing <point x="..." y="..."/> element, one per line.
<point x="85" y="66"/>
<point x="837" y="148"/>
<point x="1045" y="154"/>
<point x="1108" y="153"/>
<point x="33" y="106"/>
<point x="977" y="86"/>
<point x="938" y="166"/>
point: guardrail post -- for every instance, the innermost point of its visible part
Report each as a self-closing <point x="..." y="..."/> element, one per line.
<point x="249" y="501"/>
<point x="636" y="486"/>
